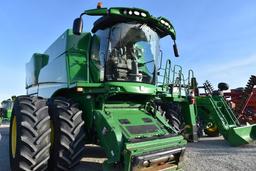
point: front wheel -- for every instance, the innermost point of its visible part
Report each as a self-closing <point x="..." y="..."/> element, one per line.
<point x="29" y="142"/>
<point x="68" y="135"/>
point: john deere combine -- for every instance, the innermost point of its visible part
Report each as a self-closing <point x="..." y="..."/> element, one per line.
<point x="100" y="88"/>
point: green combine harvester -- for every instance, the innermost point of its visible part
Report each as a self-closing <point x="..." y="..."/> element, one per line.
<point x="97" y="88"/>
<point x="6" y="109"/>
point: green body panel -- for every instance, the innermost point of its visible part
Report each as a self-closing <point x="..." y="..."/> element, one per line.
<point x="237" y="136"/>
<point x="218" y="111"/>
<point x="113" y="134"/>
<point x="189" y="115"/>
<point x="65" y="62"/>
<point x="9" y="114"/>
<point x="136" y="88"/>
<point x="119" y="116"/>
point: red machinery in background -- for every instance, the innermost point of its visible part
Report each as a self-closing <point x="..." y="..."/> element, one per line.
<point x="243" y="101"/>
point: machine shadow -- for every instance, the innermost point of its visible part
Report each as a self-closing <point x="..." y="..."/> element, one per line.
<point x="93" y="158"/>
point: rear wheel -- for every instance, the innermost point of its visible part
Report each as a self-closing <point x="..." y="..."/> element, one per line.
<point x="172" y="114"/>
<point x="173" y="119"/>
<point x="29" y="142"/>
<point x="68" y="135"/>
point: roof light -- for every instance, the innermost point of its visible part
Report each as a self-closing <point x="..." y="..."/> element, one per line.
<point x="165" y="23"/>
<point x="79" y="89"/>
<point x="130" y="12"/>
<point x="137" y="13"/>
<point x="143" y="14"/>
<point x="125" y="12"/>
<point x="162" y="21"/>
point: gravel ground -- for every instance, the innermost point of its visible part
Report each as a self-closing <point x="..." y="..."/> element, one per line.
<point x="209" y="154"/>
<point x="212" y="154"/>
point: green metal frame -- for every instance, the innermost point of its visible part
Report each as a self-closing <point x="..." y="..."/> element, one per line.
<point x="228" y="125"/>
<point x="176" y="89"/>
<point x="208" y="108"/>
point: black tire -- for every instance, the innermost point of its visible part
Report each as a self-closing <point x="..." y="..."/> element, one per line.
<point x="223" y="86"/>
<point x="68" y="134"/>
<point x="173" y="119"/>
<point x="30" y="122"/>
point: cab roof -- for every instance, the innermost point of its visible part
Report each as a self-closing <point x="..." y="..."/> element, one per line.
<point x="114" y="15"/>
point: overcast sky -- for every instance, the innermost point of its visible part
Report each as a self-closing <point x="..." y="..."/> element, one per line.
<point x="216" y="39"/>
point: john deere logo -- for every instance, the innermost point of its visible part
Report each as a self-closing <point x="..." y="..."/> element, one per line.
<point x="142" y="88"/>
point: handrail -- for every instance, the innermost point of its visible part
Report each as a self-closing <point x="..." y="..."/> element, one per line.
<point x="178" y="79"/>
<point x="190" y="76"/>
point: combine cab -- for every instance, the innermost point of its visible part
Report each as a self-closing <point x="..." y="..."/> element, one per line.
<point x="100" y="88"/>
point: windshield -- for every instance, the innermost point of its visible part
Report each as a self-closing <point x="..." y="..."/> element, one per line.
<point x="131" y="53"/>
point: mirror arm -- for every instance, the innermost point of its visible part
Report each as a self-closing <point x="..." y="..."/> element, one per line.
<point x="175" y="49"/>
<point x="84" y="13"/>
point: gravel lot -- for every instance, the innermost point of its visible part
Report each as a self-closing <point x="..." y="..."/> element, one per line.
<point x="212" y="154"/>
<point x="209" y="154"/>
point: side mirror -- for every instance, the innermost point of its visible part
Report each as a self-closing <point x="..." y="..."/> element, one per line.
<point x="175" y="50"/>
<point x="78" y="26"/>
<point x="13" y="98"/>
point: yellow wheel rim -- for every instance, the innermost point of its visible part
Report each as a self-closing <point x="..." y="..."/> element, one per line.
<point x="14" y="136"/>
<point x="213" y="128"/>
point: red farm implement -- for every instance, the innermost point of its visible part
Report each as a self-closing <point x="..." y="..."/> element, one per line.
<point x="244" y="101"/>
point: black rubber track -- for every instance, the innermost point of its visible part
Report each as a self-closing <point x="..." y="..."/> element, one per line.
<point x="33" y="134"/>
<point x="69" y="134"/>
